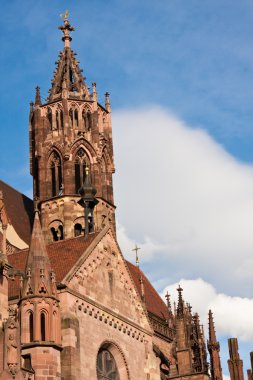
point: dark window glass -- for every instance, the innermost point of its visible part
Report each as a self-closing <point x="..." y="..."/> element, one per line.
<point x="31" y="326"/>
<point x="53" y="181"/>
<point x="43" y="326"/>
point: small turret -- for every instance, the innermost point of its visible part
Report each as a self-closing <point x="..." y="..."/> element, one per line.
<point x="39" y="309"/>
<point x="235" y="364"/>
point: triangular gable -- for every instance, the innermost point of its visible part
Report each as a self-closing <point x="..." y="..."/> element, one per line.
<point x="102" y="275"/>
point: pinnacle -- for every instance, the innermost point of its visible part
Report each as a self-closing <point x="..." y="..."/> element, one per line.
<point x="38" y="269"/>
<point x="212" y="333"/>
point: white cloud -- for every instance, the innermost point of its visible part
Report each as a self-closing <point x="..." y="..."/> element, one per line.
<point x="232" y="315"/>
<point x="185" y="198"/>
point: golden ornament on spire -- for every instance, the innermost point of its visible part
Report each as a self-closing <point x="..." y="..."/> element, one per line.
<point x="65" y="15"/>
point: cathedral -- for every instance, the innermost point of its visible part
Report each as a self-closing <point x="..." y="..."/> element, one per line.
<point x="71" y="306"/>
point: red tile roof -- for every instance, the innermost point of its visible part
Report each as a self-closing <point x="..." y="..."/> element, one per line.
<point x="65" y="253"/>
<point x="19" y="210"/>
<point x="62" y="254"/>
<point x="154" y="303"/>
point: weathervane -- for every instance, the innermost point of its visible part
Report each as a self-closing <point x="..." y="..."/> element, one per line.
<point x="65" y="15"/>
<point x="136" y="249"/>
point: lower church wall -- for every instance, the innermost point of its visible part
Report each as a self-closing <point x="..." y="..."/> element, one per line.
<point x="92" y="329"/>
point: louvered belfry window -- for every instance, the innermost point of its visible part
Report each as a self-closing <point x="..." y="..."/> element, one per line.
<point x="106" y="366"/>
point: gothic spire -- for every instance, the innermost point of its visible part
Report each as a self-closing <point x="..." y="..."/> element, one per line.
<point x="68" y="81"/>
<point x="39" y="279"/>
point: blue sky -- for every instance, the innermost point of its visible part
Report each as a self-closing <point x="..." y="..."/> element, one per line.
<point x="191" y="58"/>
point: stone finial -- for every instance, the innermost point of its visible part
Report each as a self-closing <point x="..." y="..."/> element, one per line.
<point x="66" y="28"/>
<point x="107" y="102"/>
<point x="37" y="97"/>
<point x="180" y="305"/>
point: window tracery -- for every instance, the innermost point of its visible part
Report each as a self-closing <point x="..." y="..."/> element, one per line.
<point x="106" y="366"/>
<point x="55" y="173"/>
<point x="81" y="162"/>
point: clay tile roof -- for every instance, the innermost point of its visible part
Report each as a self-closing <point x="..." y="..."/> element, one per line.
<point x="19" y="211"/>
<point x="154" y="303"/>
<point x="64" y="254"/>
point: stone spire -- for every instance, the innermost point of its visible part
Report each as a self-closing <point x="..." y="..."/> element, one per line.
<point x="214" y="349"/>
<point x="68" y="81"/>
<point x="235" y="364"/>
<point x="39" y="279"/>
<point x="180" y="304"/>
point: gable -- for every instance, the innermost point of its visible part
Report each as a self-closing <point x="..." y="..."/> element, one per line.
<point x="103" y="276"/>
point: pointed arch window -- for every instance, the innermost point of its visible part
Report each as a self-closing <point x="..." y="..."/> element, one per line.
<point x="104" y="178"/>
<point x="84" y="120"/>
<point x="43" y="326"/>
<point x="89" y="121"/>
<point x="71" y="115"/>
<point x="76" y="117"/>
<point x="81" y="162"/>
<point x="57" y="117"/>
<point x="106" y="366"/>
<point x="55" y="173"/>
<point x="61" y="119"/>
<point x="30" y="322"/>
<point x="50" y="118"/>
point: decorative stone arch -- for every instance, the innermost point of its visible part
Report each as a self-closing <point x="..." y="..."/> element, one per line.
<point x="29" y="323"/>
<point x="54" y="172"/>
<point x="86" y="112"/>
<point x="81" y="142"/>
<point x="59" y="117"/>
<point x="118" y="356"/>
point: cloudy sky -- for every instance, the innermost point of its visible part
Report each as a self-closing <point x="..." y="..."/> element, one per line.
<point x="180" y="74"/>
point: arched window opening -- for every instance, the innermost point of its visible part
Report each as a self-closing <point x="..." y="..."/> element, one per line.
<point x="71" y="117"/>
<point x="78" y="229"/>
<point x="81" y="162"/>
<point x="89" y="121"/>
<point x="104" y="178"/>
<point x="36" y="177"/>
<point x="57" y="118"/>
<point x="30" y="318"/>
<point x="50" y="118"/>
<point x="106" y="366"/>
<point x="84" y="120"/>
<point x="57" y="233"/>
<point x="43" y="326"/>
<point x="76" y="118"/>
<point x="61" y="118"/>
<point x="55" y="174"/>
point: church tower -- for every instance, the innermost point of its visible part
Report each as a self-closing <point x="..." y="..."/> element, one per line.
<point x="70" y="139"/>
